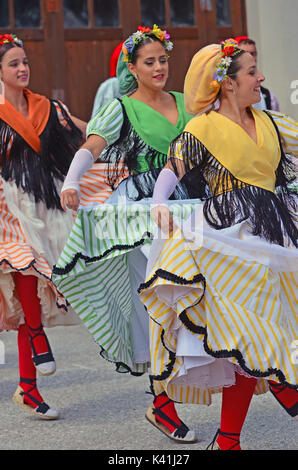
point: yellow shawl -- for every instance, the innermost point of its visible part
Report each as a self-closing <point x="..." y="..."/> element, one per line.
<point x="252" y="163"/>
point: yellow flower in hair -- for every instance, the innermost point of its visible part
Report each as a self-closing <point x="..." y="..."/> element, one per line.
<point x="157" y="32"/>
<point x="214" y="84"/>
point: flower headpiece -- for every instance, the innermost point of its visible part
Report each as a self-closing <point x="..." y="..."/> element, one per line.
<point x="144" y="33"/>
<point x="229" y="48"/>
<point x="10" y="38"/>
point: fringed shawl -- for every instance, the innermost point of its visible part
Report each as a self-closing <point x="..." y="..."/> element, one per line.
<point x="237" y="178"/>
<point x="143" y="144"/>
<point x="36" y="151"/>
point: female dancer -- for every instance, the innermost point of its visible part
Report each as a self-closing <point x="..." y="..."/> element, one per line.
<point x="37" y="142"/>
<point x="224" y="292"/>
<point x="100" y="275"/>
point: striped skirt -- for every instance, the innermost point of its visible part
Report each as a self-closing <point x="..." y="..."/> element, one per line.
<point x="100" y="269"/>
<point x="32" y="238"/>
<point x="220" y="302"/>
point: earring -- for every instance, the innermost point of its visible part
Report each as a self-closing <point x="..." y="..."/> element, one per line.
<point x="2" y="88"/>
<point x="136" y="77"/>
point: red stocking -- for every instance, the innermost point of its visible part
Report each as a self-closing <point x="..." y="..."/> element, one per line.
<point x="168" y="408"/>
<point x="26" y="287"/>
<point x="27" y="367"/>
<point x="286" y="396"/>
<point x="235" y="404"/>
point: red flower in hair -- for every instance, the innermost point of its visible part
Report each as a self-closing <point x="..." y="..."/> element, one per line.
<point x="229" y="51"/>
<point x="144" y="29"/>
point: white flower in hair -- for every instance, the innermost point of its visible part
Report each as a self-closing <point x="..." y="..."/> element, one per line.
<point x="137" y="35"/>
<point x="226" y="61"/>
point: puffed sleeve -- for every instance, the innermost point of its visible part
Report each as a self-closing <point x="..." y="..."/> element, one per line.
<point x="288" y="129"/>
<point x="107" y="122"/>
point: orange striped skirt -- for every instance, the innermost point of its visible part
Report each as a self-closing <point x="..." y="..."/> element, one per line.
<point x="32" y="238"/>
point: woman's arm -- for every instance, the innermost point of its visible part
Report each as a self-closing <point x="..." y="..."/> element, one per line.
<point x="164" y="187"/>
<point x="82" y="161"/>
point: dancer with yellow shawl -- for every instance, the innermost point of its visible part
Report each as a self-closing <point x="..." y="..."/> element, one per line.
<point x="222" y="285"/>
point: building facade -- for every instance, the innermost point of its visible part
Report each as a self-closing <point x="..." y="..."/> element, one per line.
<point x="273" y="25"/>
<point x="69" y="42"/>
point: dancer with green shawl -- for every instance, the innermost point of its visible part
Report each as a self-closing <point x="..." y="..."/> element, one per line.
<point x="104" y="260"/>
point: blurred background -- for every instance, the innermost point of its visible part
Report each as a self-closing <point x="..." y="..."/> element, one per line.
<point x="69" y="42"/>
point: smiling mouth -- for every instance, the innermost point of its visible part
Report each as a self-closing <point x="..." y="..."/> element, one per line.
<point x="159" y="77"/>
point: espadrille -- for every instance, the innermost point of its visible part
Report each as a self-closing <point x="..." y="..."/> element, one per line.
<point x="42" y="411"/>
<point x="180" y="434"/>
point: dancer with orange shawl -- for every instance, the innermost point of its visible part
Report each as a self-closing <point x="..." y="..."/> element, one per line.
<point x="38" y="139"/>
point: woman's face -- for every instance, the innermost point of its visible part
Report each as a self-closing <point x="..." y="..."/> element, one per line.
<point x="248" y="81"/>
<point x="15" y="71"/>
<point x="151" y="66"/>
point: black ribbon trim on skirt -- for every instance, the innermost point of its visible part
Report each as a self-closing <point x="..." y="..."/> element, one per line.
<point x="119" y="364"/>
<point x="188" y="323"/>
<point x="93" y="259"/>
<point x="32" y="265"/>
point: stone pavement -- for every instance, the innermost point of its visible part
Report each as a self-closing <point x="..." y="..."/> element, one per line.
<point x="101" y="409"/>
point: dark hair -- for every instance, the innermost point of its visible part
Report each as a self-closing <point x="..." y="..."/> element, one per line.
<point x="235" y="66"/>
<point x="138" y="46"/>
<point x="5" y="48"/>
<point x="247" y="41"/>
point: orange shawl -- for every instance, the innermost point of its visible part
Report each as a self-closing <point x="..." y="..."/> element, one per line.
<point x="29" y="128"/>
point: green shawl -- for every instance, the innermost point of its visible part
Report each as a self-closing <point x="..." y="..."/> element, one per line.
<point x="152" y="127"/>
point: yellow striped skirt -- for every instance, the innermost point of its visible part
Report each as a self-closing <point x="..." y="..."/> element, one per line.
<point x="220" y="301"/>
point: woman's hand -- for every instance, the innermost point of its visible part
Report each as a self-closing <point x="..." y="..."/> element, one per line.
<point x="161" y="214"/>
<point x="70" y="199"/>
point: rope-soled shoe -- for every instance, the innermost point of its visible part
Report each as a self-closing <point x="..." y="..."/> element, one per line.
<point x="181" y="432"/>
<point x="42" y="410"/>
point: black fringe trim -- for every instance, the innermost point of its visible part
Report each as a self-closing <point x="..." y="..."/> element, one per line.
<point x="188" y="323"/>
<point x="35" y="173"/>
<point x="93" y="259"/>
<point x="128" y="148"/>
<point x="228" y="201"/>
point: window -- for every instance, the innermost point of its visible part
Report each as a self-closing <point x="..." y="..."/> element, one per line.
<point x="92" y="13"/>
<point x="4" y="18"/>
<point x="75" y="14"/>
<point x="182" y="13"/>
<point x="223" y="13"/>
<point x="153" y="12"/>
<point x="106" y="13"/>
<point x="28" y="17"/>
